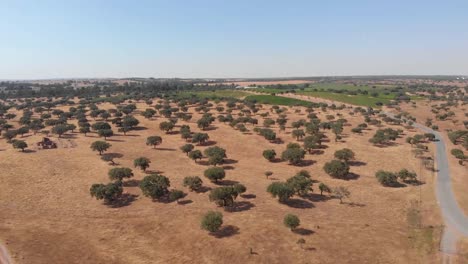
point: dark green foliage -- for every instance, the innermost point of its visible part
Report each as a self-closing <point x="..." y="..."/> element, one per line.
<point x="212" y="221"/>
<point x="100" y="146"/>
<point x="60" y="130"/>
<point x="215" y="174"/>
<point x="387" y="178"/>
<point x="200" y="138"/>
<point x="153" y="141"/>
<point x="215" y="155"/>
<point x="166" y="126"/>
<point x="344" y="154"/>
<point x="175" y="195"/>
<point x="269" y="154"/>
<point x="281" y="190"/>
<point x="336" y="169"/>
<point x="300" y="184"/>
<point x="324" y="188"/>
<point x="187" y="148"/>
<point x="291" y="221"/>
<point x="118" y="174"/>
<point x="107" y="192"/>
<point x="105" y="133"/>
<point x="142" y="162"/>
<point x="293" y="155"/>
<point x="195" y="155"/>
<point x="155" y="186"/>
<point x="194" y="183"/>
<point x="19" y="144"/>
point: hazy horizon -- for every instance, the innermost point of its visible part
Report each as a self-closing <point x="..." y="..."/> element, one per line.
<point x="210" y="39"/>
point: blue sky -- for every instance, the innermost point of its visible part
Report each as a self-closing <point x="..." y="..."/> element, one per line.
<point x="103" y="38"/>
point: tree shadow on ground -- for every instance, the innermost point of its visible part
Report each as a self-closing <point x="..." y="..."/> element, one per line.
<point x="154" y="172"/>
<point x="277" y="141"/>
<point x="185" y="202"/>
<point x="356" y="163"/>
<point x="139" y="128"/>
<point x="351" y="176"/>
<point x="114" y="140"/>
<point x="125" y="199"/>
<point x="353" y="204"/>
<point x="174" y="132"/>
<point x="208" y="143"/>
<point x="303" y="231"/>
<point x="248" y="196"/>
<point x="240" y="207"/>
<point x="313" y="197"/>
<point x="28" y="151"/>
<point x="228" y="167"/>
<point x="229" y="161"/>
<point x="131" y="183"/>
<point x="226" y="182"/>
<point x="210" y="128"/>
<point x="305" y="163"/>
<point x="203" y="189"/>
<point x="166" y="149"/>
<point x="316" y="152"/>
<point x="226" y="231"/>
<point x="113" y="155"/>
<point x="297" y="203"/>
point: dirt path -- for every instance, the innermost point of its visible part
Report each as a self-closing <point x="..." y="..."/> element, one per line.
<point x="456" y="222"/>
<point x="4" y="256"/>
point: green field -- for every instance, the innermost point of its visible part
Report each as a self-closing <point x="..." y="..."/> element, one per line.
<point x="277" y="100"/>
<point x="213" y="94"/>
<point x="362" y="100"/>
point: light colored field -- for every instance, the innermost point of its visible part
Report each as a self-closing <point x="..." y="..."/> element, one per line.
<point x="458" y="173"/>
<point x="48" y="216"/>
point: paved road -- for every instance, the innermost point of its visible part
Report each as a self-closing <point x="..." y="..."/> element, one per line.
<point x="456" y="222"/>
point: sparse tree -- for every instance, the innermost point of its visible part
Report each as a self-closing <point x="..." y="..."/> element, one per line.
<point x="153" y="141"/>
<point x="155" y="186"/>
<point x="215" y="174"/>
<point x="142" y="162"/>
<point x="100" y="146"/>
<point x="194" y="183"/>
<point x="341" y="192"/>
<point x="195" y="155"/>
<point x="20" y="144"/>
<point x="212" y="221"/>
<point x="291" y="221"/>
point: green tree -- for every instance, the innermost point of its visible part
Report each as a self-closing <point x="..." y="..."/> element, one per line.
<point x="269" y="154"/>
<point x="166" y="126"/>
<point x="324" y="188"/>
<point x="20" y="144"/>
<point x="336" y="169"/>
<point x="105" y="133"/>
<point x="194" y="183"/>
<point x="293" y="155"/>
<point x="195" y="155"/>
<point x="215" y="155"/>
<point x="118" y="174"/>
<point x="298" y="133"/>
<point x="212" y="221"/>
<point x="59" y="130"/>
<point x="200" y="138"/>
<point x="344" y="154"/>
<point x="100" y="146"/>
<point x="291" y="221"/>
<point x="153" y="141"/>
<point x="281" y="190"/>
<point x="187" y="148"/>
<point x="215" y="174"/>
<point x="107" y="192"/>
<point x="387" y="178"/>
<point x="223" y="196"/>
<point x="142" y="162"/>
<point x="300" y="184"/>
<point x="341" y="193"/>
<point x="175" y="195"/>
<point x="155" y="186"/>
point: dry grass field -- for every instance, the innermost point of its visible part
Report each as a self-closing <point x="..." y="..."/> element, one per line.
<point x="422" y="112"/>
<point x="48" y="216"/>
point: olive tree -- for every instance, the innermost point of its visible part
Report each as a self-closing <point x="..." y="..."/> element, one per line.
<point x="155" y="186"/>
<point x="187" y="148"/>
<point x="212" y="221"/>
<point x="281" y="190"/>
<point x="100" y="146"/>
<point x="215" y="155"/>
<point x="19" y="144"/>
<point x="336" y="169"/>
<point x="194" y="183"/>
<point x="195" y="155"/>
<point x="118" y="174"/>
<point x="153" y="141"/>
<point x="215" y="174"/>
<point x="107" y="192"/>
<point x="344" y="154"/>
<point x="269" y="154"/>
<point x="142" y="162"/>
<point x="291" y="221"/>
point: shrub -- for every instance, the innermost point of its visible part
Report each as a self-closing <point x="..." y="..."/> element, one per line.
<point x="336" y="169"/>
<point x="215" y="174"/>
<point x="212" y="221"/>
<point x="291" y="221"/>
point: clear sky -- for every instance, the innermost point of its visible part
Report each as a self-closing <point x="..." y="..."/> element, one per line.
<point x="255" y="38"/>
